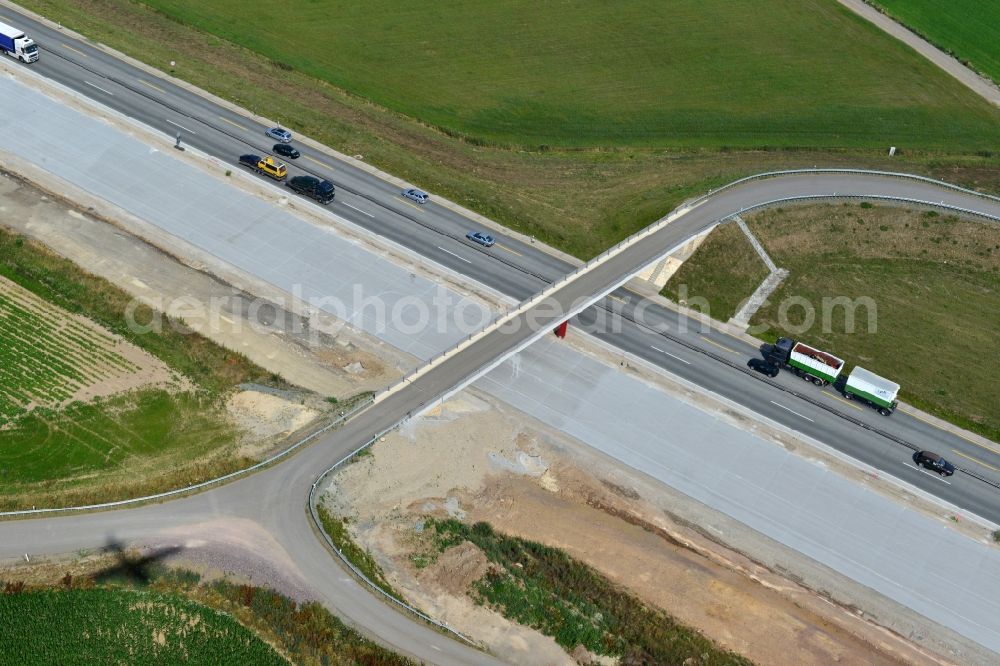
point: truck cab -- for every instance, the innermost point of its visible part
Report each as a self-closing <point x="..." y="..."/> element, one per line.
<point x="17" y="45"/>
<point x="778" y="353"/>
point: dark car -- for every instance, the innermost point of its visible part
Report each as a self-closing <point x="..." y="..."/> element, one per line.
<point x="285" y="150"/>
<point x="762" y="366"/>
<point x="479" y="237"/>
<point x="320" y="190"/>
<point x="933" y="462"/>
<point x="416" y="195"/>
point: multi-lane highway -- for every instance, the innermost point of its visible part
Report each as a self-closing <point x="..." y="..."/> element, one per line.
<point x="519" y="269"/>
<point x="706" y="357"/>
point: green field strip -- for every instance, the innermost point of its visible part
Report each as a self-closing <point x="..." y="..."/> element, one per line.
<point x="648" y="74"/>
<point x="108" y="625"/>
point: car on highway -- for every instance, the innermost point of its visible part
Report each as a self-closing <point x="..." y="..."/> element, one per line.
<point x="266" y="166"/>
<point x="320" y="190"/>
<point x="279" y="134"/>
<point x="416" y="195"/>
<point x="933" y="462"/>
<point x="285" y="150"/>
<point x="762" y="366"/>
<point x="483" y="239"/>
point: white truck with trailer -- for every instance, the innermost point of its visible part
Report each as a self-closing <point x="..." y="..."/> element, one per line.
<point x="16" y="44"/>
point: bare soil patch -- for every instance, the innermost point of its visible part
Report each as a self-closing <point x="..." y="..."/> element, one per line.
<point x="314" y="360"/>
<point x="477" y="460"/>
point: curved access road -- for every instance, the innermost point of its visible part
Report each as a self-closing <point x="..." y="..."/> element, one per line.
<point x="275" y="499"/>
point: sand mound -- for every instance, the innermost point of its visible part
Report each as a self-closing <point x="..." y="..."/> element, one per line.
<point x="266" y="416"/>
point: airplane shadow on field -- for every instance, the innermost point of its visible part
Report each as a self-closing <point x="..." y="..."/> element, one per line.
<point x="132" y="566"/>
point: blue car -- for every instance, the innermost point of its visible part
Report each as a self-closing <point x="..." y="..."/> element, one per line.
<point x="416" y="195"/>
<point x="483" y="239"/>
<point x="279" y="134"/>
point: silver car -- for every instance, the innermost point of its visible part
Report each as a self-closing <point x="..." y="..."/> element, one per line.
<point x="279" y="134"/>
<point x="416" y="195"/>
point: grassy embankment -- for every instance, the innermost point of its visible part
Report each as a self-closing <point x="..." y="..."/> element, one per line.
<point x="543" y="588"/>
<point x="967" y="29"/>
<point x="143" y="441"/>
<point x="176" y="619"/>
<point x="336" y="528"/>
<point x="722" y="290"/>
<point x="935" y="280"/>
<point x="575" y="127"/>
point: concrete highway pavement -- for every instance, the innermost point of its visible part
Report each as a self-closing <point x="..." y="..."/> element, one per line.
<point x="512" y="267"/>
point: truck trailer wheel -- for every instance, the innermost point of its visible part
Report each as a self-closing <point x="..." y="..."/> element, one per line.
<point x="883" y="411"/>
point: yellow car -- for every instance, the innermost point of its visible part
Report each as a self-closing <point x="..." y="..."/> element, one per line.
<point x="266" y="165"/>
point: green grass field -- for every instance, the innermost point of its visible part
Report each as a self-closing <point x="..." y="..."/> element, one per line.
<point x="968" y="29"/>
<point x="174" y="619"/>
<point x="934" y="279"/>
<point x="145" y="440"/>
<point x="127" y="430"/>
<point x="580" y="201"/>
<point x="722" y="290"/>
<point x="646" y="73"/>
<point x="104" y="626"/>
<point x="45" y="357"/>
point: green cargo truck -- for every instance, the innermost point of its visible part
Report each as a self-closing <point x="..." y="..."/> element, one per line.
<point x="812" y="365"/>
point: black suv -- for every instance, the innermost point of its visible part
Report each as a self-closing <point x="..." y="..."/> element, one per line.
<point x="285" y="150"/>
<point x="320" y="190"/>
<point x="762" y="366"/>
<point x="933" y="462"/>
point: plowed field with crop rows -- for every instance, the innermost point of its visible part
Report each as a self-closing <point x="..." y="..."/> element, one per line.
<point x="49" y="357"/>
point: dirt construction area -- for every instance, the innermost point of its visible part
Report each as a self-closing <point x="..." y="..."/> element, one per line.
<point x="478" y="460"/>
<point x="338" y="365"/>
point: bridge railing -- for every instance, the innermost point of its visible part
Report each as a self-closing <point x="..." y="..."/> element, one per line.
<point x="858" y="172"/>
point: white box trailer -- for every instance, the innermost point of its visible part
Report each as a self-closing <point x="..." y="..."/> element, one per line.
<point x="814" y="365"/>
<point x="868" y="387"/>
<point x="16" y="44"/>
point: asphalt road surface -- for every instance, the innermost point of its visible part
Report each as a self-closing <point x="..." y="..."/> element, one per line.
<point x="512" y="267"/>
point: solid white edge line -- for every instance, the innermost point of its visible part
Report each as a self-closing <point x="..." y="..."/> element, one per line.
<point x="357" y="209"/>
<point x="454" y="255"/>
<point x="792" y="411"/>
<point x="933" y="476"/>
<point x="181" y="126"/>
<point x="106" y="92"/>
<point x="669" y="354"/>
